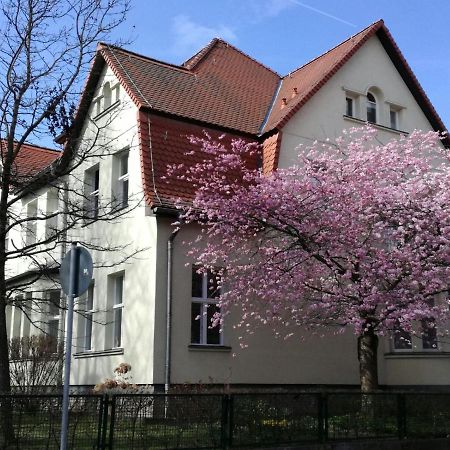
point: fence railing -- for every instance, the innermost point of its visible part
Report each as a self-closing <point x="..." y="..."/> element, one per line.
<point x="188" y="421"/>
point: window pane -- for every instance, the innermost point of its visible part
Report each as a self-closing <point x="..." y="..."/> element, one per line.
<point x="394" y="119"/>
<point x="124" y="164"/>
<point x="54" y="303"/>
<point x="88" y="333"/>
<point x="371" y="113"/>
<point x="197" y="283"/>
<point x="90" y="299"/>
<point x="212" y="334"/>
<point x="96" y="180"/>
<point x="124" y="193"/>
<point x="118" y="327"/>
<point x="349" y="107"/>
<point x="53" y="331"/>
<point x="196" y="323"/>
<point x="429" y="335"/>
<point x="118" y="298"/>
<point x="402" y="340"/>
<point x="213" y="284"/>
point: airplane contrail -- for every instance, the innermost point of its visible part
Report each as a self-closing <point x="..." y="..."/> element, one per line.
<point x="323" y="13"/>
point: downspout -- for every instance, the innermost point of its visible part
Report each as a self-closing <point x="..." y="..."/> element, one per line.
<point x="167" y="365"/>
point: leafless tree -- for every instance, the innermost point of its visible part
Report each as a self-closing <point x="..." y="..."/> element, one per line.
<point x="47" y="47"/>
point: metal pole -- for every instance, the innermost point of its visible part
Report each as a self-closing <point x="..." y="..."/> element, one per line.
<point x="74" y="263"/>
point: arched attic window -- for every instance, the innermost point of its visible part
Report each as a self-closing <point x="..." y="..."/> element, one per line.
<point x="107" y="96"/>
<point x="371" y="108"/>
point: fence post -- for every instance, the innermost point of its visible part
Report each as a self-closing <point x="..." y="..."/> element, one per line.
<point x="401" y="416"/>
<point x="103" y="422"/>
<point x="113" y="417"/>
<point x="322" y="417"/>
<point x="101" y="413"/>
<point x="227" y="421"/>
<point x="224" y="424"/>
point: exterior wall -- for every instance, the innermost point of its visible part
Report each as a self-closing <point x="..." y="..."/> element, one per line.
<point x="135" y="234"/>
<point x="324" y="117"/>
<point x="266" y="360"/>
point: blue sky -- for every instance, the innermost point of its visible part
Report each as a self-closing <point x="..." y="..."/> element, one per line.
<point x="284" y="34"/>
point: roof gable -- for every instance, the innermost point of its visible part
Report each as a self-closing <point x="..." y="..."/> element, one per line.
<point x="219" y="86"/>
<point x="301" y="85"/>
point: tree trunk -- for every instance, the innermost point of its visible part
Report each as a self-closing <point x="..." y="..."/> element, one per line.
<point x="368" y="363"/>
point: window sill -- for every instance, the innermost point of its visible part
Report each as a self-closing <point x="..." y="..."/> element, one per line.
<point x="209" y="348"/>
<point x="95" y="353"/>
<point x="107" y="110"/>
<point x="376" y="125"/>
<point x="417" y="355"/>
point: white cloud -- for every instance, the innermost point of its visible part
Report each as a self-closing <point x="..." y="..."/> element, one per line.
<point x="190" y="36"/>
<point x="275" y="7"/>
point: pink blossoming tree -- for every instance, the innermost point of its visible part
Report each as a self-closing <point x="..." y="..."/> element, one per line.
<point x="356" y="235"/>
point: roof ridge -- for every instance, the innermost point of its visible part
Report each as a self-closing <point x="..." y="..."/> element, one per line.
<point x="105" y="46"/>
<point x="250" y="57"/>
<point x="37" y="147"/>
<point x="197" y="57"/>
<point x="200" y="55"/>
<point x="378" y="24"/>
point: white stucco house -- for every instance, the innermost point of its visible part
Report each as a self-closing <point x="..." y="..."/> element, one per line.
<point x="143" y="310"/>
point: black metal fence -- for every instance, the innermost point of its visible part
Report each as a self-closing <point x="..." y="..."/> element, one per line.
<point x="189" y="421"/>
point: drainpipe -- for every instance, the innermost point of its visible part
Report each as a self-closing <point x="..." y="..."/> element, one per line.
<point x="167" y="366"/>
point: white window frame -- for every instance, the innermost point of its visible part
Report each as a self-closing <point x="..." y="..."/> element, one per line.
<point x="349" y="100"/>
<point x="114" y="329"/>
<point x="204" y="301"/>
<point x="92" y="192"/>
<point x="89" y="320"/>
<point x="121" y="193"/>
<point x="107" y="96"/>
<point x="51" y="224"/>
<point x="394" y="113"/>
<point x="54" y="318"/>
<point x="31" y="225"/>
<point x="373" y="105"/>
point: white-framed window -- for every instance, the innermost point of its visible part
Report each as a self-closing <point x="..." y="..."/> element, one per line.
<point x="402" y="340"/>
<point x="429" y="335"/>
<point x="107" y="95"/>
<point x="349" y="106"/>
<point x="17" y="317"/>
<point x="205" y="293"/>
<point x="114" y="327"/>
<point x="88" y="319"/>
<point x="120" y="169"/>
<point x="54" y="319"/>
<point x="51" y="224"/>
<point x="371" y="108"/>
<point x="393" y="118"/>
<point x="30" y="225"/>
<point x="92" y="191"/>
<point x="27" y="314"/>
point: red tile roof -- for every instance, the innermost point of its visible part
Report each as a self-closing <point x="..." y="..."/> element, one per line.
<point x="219" y="86"/>
<point x="308" y="79"/>
<point x="164" y="141"/>
<point x="30" y="160"/>
<point x="300" y="86"/>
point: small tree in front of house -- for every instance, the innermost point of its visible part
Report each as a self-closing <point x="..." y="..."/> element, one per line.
<point x="35" y="363"/>
<point x="356" y="235"/>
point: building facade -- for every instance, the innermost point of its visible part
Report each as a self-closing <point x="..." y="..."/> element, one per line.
<point x="143" y="304"/>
